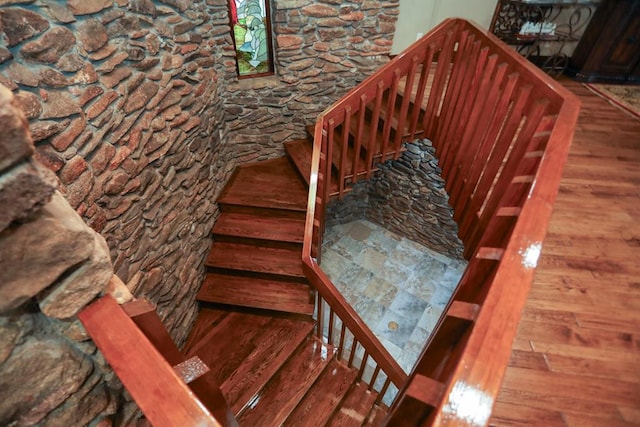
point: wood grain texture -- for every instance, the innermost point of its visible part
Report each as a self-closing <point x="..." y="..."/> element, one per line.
<point x="581" y="320"/>
<point x="288" y="387"/>
<point x="275" y="345"/>
<point x="355" y="407"/>
<point x="269" y="184"/>
<point x="259" y="227"/>
<point x="159" y="392"/>
<point x="258" y="259"/>
<point x="257" y="293"/>
<point x="324" y="397"/>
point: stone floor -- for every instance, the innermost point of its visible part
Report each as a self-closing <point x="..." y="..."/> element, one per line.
<point x="397" y="286"/>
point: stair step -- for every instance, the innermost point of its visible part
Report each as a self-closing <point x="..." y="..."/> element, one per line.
<point x="378" y="412"/>
<point x="268" y="184"/>
<point x="320" y="401"/>
<point x="300" y="151"/>
<point x="229" y="343"/>
<point x="257" y="259"/>
<point x="355" y="407"/>
<point x="260" y="227"/>
<point x="276" y="345"/>
<point x="288" y="387"/>
<point x="257" y="293"/>
<point x="206" y="320"/>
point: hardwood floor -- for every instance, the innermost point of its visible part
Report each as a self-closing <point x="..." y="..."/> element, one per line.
<point x="576" y="358"/>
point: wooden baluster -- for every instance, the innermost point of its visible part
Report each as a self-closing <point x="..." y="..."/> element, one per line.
<point x="430" y="119"/>
<point x="467" y="213"/>
<point x="343" y="331"/>
<point x="374" y="377"/>
<point x="404" y="108"/>
<point x="342" y="172"/>
<point x="330" y="334"/>
<point x="320" y="324"/>
<point x="358" y="139"/>
<point x="422" y="84"/>
<point x="469" y="96"/>
<point x="375" y="121"/>
<point x="459" y="162"/>
<point x="383" y="390"/>
<point x="464" y="190"/>
<point x="363" y="365"/>
<point x="354" y="347"/>
<point x="459" y="91"/>
<point x="331" y="132"/>
<point x="391" y="105"/>
<point x="497" y="195"/>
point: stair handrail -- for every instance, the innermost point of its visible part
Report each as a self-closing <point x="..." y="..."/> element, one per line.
<point x="502" y="222"/>
<point x="162" y="396"/>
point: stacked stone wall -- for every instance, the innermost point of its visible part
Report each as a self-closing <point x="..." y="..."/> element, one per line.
<point x="123" y="102"/>
<point x="406" y="196"/>
<point x="51" y="265"/>
<point x="322" y="49"/>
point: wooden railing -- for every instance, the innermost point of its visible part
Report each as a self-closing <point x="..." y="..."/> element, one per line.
<point x="141" y="353"/>
<point x="501" y="130"/>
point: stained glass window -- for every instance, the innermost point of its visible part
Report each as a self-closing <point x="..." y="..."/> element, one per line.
<point x="251" y="29"/>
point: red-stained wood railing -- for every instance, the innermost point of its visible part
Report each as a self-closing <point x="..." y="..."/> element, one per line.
<point x="501" y="130"/>
<point x="163" y="397"/>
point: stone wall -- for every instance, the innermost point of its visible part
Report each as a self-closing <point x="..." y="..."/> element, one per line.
<point x="51" y="265"/>
<point x="123" y="102"/>
<point x="322" y="50"/>
<point x="136" y="108"/>
<point x="406" y="196"/>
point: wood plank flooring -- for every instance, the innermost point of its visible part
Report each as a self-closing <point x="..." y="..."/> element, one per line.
<point x="576" y="358"/>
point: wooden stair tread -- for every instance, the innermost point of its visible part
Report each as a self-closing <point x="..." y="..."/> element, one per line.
<point x="287" y="388"/>
<point x="260" y="227"/>
<point x="268" y="184"/>
<point x="355" y="407"/>
<point x="378" y="412"/>
<point x="320" y="401"/>
<point x="300" y="151"/>
<point x="229" y="343"/>
<point x="206" y="320"/>
<point x="257" y="293"/>
<point x="256" y="259"/>
<point x="276" y="345"/>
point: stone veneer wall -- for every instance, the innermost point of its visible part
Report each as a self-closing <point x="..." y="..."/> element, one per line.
<point x="123" y="101"/>
<point x="406" y="196"/>
<point x="322" y="50"/>
<point x="135" y="105"/>
<point x="51" y="265"/>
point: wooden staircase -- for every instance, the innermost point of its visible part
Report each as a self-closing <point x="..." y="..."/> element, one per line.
<point x="273" y="371"/>
<point x="255" y="328"/>
<point x="285" y="353"/>
<point x="255" y="257"/>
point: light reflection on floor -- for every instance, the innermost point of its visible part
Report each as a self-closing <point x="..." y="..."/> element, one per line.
<point x="397" y="286"/>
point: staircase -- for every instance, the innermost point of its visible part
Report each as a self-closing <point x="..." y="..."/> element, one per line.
<point x="255" y="258"/>
<point x="274" y="332"/>
<point x="255" y="329"/>
<point x="273" y="371"/>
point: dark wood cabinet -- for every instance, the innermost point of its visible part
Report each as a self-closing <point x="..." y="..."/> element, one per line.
<point x="610" y="47"/>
